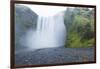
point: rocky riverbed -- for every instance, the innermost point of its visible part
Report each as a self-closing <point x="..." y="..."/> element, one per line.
<point x="54" y="56"/>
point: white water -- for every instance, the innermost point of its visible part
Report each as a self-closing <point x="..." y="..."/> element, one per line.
<point x="50" y="32"/>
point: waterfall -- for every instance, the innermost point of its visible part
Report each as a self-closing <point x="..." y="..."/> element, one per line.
<point x="50" y="32"/>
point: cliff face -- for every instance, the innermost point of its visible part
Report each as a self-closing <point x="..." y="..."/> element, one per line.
<point x="25" y="19"/>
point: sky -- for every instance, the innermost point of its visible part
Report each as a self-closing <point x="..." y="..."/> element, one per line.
<point x="45" y="10"/>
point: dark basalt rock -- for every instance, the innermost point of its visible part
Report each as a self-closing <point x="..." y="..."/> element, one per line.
<point x="25" y="19"/>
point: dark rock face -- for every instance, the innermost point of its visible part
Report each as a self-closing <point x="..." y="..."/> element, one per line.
<point x="25" y="19"/>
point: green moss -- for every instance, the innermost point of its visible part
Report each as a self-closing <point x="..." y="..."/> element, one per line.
<point x="80" y="29"/>
<point x="73" y="41"/>
<point x="88" y="43"/>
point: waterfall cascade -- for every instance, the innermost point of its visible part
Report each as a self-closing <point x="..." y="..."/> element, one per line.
<point x="50" y="32"/>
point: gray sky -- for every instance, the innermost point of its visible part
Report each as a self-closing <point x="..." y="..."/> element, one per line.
<point x="45" y="10"/>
